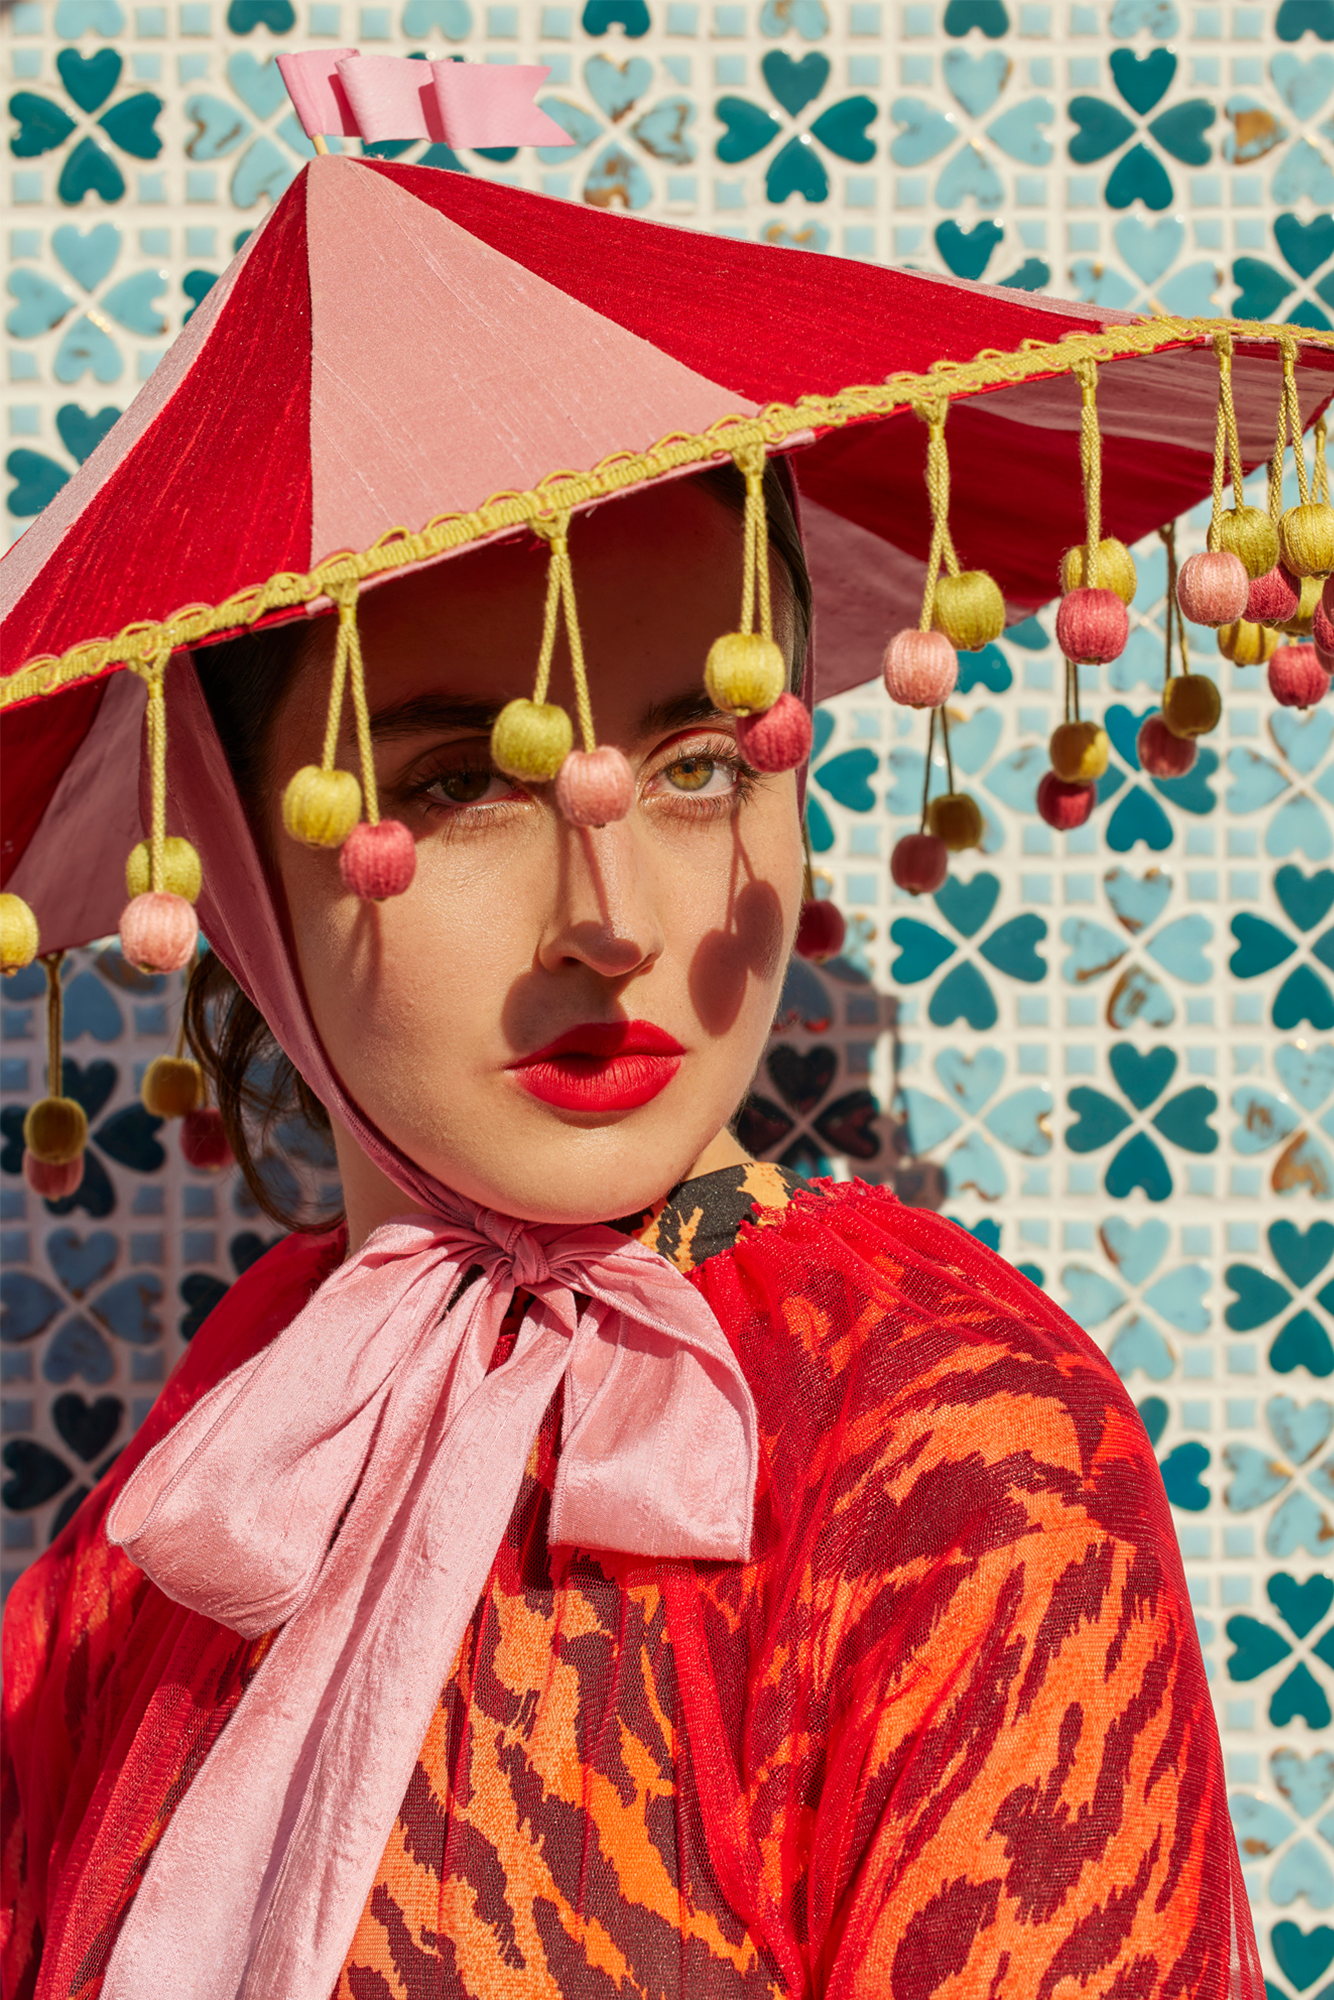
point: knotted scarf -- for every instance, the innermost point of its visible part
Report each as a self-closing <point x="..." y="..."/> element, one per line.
<point x="351" y="1484"/>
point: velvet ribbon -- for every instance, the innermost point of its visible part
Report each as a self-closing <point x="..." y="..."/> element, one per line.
<point x="352" y="1483"/>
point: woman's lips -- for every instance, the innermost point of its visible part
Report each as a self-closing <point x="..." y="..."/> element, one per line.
<point x="602" y="1066"/>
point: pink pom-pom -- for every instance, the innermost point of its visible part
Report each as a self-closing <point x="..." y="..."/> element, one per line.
<point x="1064" y="804"/>
<point x="378" y="861"/>
<point x="1274" y="597"/>
<point x="1161" y="754"/>
<point x="821" y="931"/>
<point x="1325" y="656"/>
<point x="595" y="787"/>
<point x="1213" y="588"/>
<point x="778" y="740"/>
<point x="53" y="1180"/>
<point x="1092" y="626"/>
<point x="204" y="1139"/>
<point x="159" y="932"/>
<point x="1296" y="677"/>
<point x="920" y="862"/>
<point x="1322" y="625"/>
<point x="920" y="669"/>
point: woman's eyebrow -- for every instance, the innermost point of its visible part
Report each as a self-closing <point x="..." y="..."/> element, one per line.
<point x="422" y="713"/>
<point x="678" y="713"/>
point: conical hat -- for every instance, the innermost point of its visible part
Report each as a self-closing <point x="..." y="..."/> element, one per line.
<point x="402" y="363"/>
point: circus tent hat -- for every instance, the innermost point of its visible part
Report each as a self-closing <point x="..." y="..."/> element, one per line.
<point x="403" y="363"/>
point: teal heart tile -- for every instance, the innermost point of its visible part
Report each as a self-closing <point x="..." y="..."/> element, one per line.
<point x="88" y="254"/>
<point x="974" y="1167"/>
<point x="972" y="742"/>
<point x="1179" y="949"/>
<point x="1305" y="899"/>
<point x="847" y="778"/>
<point x="1153" y="1414"/>
<point x="988" y="15"/>
<point x="1150" y="249"/>
<point x="1093" y="950"/>
<point x="1303" y="86"/>
<point x="794" y="82"/>
<point x="81" y="431"/>
<point x="1142" y="1075"/>
<point x="1296" y="17"/>
<point x="1306" y="245"/>
<point x="37" y="480"/>
<point x="89" y="80"/>
<point x="1139" y="997"/>
<point x="804" y="1002"/>
<point x="78" y="1349"/>
<point x="75" y="18"/>
<point x="614" y="87"/>
<point x="1158" y="17"/>
<point x="1302" y="1955"/>
<point x="1138" y="175"/>
<point x="264" y="169"/>
<point x="91" y="1010"/>
<point x="796" y="169"/>
<point x="1263" y="289"/>
<point x="975" y="80"/>
<point x="1019" y="132"/>
<point x="1303" y="171"/>
<point x="1255" y="781"/>
<point x="452" y="17"/>
<point x="1301" y="1256"/>
<point x="258" y="83"/>
<point x="1259" y="1647"/>
<point x="1257" y="1477"/>
<point x="1139" y="1164"/>
<point x="129" y="1309"/>
<point x="1298" y="1524"/>
<point x="926" y="1120"/>
<point x="1012" y="948"/>
<point x="1136" y="817"/>
<point x="1302" y="1870"/>
<point x="279" y="16"/>
<point x="665" y="131"/>
<point x="822" y="732"/>
<point x="1014" y="779"/>
<point x="987" y="667"/>
<point x="802" y="234"/>
<point x="1260" y="946"/>
<point x="1109" y="784"/>
<point x="967" y="905"/>
<point x="969" y="175"/>
<point x="1137" y="900"/>
<point x="580" y="124"/>
<point x="1265" y="1119"/>
<point x="42" y="126"/>
<point x="963" y="995"/>
<point x="81" y="1261"/>
<point x="818" y="827"/>
<point x="921" y="950"/>
<point x="86" y="1428"/>
<point x="219" y="127"/>
<point x="131" y="302"/>
<point x="1098" y="1118"/>
<point x="89" y="169"/>
<point x="1136" y="1250"/>
<point x="967" y="251"/>
<point x="1022" y="1121"/>
<point x="1306" y="1783"/>
<point x="1181" y="131"/>
<point x="131" y="124"/>
<point x="1142" y="80"/>
<point x="843" y="129"/>
<point x="1184" y="1119"/>
<point x="1178" y="1297"/>
<point x="1301" y="1429"/>
<point x="1303" y="996"/>
<point x="41" y="304"/>
<point x="1192" y="291"/>
<point x="1181" y="1471"/>
<point x="747" y="129"/>
<point x="925" y="132"/>
<point x="27" y="1306"/>
<point x="802" y="1078"/>
<point x="94" y="1194"/>
<point x="1303" y="1343"/>
<point x="1306" y="1074"/>
<point x="807" y="17"/>
<point x="1090" y="1297"/>
<point x="1139" y="1344"/>
<point x="1258" y="1297"/>
<point x="1101" y="129"/>
<point x="1260" y="1826"/>
<point x="1301" y="1606"/>
<point x="971" y="1080"/>
<point x="1302" y="739"/>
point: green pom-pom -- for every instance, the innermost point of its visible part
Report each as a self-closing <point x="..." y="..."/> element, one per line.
<point x="745" y="673"/>
<point x="320" y="808"/>
<point x="530" y="740"/>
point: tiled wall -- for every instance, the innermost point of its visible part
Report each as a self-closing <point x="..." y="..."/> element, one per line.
<point x="1109" y="1053"/>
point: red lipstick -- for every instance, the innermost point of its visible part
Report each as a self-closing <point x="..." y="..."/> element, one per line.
<point x="602" y="1066"/>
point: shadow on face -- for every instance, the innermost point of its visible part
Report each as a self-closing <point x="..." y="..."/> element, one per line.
<point x="520" y="930"/>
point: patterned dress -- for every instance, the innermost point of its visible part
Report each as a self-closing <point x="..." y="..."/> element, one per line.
<point x="945" y="1737"/>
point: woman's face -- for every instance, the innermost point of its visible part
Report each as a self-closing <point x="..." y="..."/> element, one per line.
<point x="519" y="930"/>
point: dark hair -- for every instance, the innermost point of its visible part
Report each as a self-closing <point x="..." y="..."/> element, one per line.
<point x="258" y="1090"/>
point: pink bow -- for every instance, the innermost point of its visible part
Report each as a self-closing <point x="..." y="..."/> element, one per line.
<point x="375" y="1409"/>
<point x="394" y="97"/>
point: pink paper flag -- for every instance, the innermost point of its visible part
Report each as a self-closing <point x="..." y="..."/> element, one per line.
<point x="317" y="92"/>
<point x="391" y="97"/>
<point x="491" y="104"/>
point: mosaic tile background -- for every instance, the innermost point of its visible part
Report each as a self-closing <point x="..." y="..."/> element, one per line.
<point x="1111" y="1054"/>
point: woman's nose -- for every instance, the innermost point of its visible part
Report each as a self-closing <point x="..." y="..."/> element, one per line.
<point x="605" y="913"/>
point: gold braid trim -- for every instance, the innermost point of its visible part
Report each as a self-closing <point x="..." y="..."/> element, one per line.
<point x="779" y="424"/>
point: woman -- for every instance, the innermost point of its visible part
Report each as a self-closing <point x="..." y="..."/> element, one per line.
<point x="598" y="1563"/>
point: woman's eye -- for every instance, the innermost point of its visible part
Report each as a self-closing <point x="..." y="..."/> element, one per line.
<point x="699" y="775"/>
<point x="467" y="786"/>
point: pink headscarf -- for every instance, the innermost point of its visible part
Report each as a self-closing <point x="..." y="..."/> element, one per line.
<point x="377" y="1409"/>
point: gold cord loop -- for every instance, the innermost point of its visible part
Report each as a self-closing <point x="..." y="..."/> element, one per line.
<point x="555" y="530"/>
<point x="1090" y="465"/>
<point x="933" y="415"/>
<point x="55" y="1025"/>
